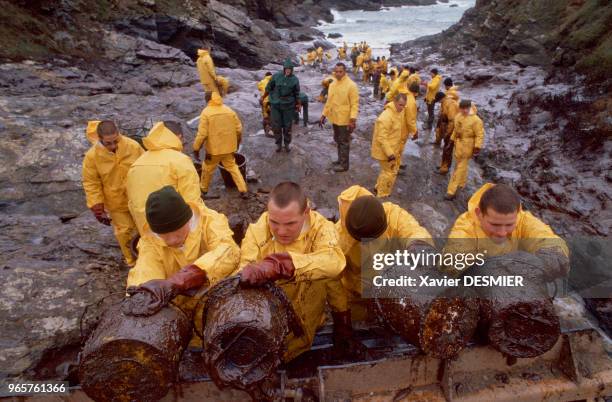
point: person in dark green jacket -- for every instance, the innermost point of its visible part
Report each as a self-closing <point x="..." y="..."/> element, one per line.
<point x="284" y="92"/>
<point x="304" y="103"/>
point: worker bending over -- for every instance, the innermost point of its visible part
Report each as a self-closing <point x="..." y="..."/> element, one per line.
<point x="105" y="168"/>
<point x="496" y="224"/>
<point x="220" y="130"/>
<point x="298" y="249"/>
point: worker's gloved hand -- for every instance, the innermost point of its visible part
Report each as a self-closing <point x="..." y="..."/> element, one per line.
<point x="298" y="107"/>
<point x="100" y="214"/>
<point x="352" y="125"/>
<point x="273" y="267"/>
<point x="322" y="121"/>
<point x="346" y="347"/>
<point x="189" y="280"/>
<point x="148" y="298"/>
<point x="196" y="155"/>
<point x="476" y="152"/>
<point x="556" y="263"/>
<point x="391" y="158"/>
<point x="415" y="136"/>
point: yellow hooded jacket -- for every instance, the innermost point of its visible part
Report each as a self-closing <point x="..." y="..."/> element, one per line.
<point x="163" y="164"/>
<point x="342" y="102"/>
<point x="316" y="257"/>
<point x="261" y="85"/>
<point x="209" y="245"/>
<point x="415" y="77"/>
<point x="468" y="133"/>
<point x="409" y="126"/>
<point x="206" y="69"/>
<point x="104" y="172"/>
<point x="387" y="133"/>
<point x="400" y="225"/>
<point x="433" y="86"/>
<point x="530" y="233"/>
<point x="449" y="109"/>
<point x="384" y="83"/>
<point x="220" y="128"/>
<point x="398" y="86"/>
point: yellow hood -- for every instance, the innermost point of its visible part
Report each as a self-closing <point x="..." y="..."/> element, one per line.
<point x="215" y="100"/>
<point x="404" y="75"/>
<point x="92" y="131"/>
<point x="160" y="137"/>
<point x="202" y="52"/>
<point x="348" y="196"/>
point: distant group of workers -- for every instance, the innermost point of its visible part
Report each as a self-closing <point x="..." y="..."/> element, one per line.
<point x="185" y="245"/>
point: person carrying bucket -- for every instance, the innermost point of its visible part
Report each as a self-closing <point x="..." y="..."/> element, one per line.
<point x="221" y="129"/>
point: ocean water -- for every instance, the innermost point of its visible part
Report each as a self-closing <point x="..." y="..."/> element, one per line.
<point x="393" y="24"/>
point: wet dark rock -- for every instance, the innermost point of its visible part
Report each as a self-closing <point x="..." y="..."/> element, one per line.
<point x="326" y="45"/>
<point x="37" y="250"/>
<point x="334" y="35"/>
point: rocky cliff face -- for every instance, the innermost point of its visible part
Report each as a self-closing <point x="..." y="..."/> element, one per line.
<point x="549" y="33"/>
<point x="79" y="30"/>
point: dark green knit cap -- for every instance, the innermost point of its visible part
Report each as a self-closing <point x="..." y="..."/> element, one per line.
<point x="366" y="218"/>
<point x="167" y="211"/>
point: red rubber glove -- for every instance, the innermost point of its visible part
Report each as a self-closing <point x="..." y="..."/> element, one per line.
<point x="273" y="267"/>
<point x="100" y="214"/>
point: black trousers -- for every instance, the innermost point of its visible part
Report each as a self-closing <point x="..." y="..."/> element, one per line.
<point x="343" y="140"/>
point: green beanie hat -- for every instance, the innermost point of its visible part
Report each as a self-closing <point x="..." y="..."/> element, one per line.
<point x="366" y="218"/>
<point x="167" y="211"/>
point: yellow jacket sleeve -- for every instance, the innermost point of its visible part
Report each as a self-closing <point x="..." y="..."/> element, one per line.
<point x="238" y="125"/>
<point x="330" y="96"/>
<point x="150" y="264"/>
<point x="354" y="101"/>
<point x="537" y="235"/>
<point x="409" y="228"/>
<point x="223" y="254"/>
<point x="410" y="116"/>
<point x="188" y="181"/>
<point x="461" y="239"/>
<point x="451" y="111"/>
<point x="454" y="133"/>
<point x="383" y="129"/>
<point x="209" y="68"/>
<point x="92" y="183"/>
<point x="202" y="133"/>
<point x="479" y="131"/>
<point x="326" y="261"/>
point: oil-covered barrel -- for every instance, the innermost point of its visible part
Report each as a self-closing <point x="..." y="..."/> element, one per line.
<point x="130" y="358"/>
<point x="520" y="321"/>
<point x="438" y="320"/>
<point x="244" y="335"/>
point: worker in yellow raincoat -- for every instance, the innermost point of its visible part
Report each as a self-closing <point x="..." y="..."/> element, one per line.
<point x="450" y="88"/>
<point x="298" y="249"/>
<point x="386" y="143"/>
<point x="265" y="106"/>
<point x="184" y="247"/>
<point x="208" y="74"/>
<point x="163" y="164"/>
<point x="342" y="53"/>
<point x="449" y="107"/>
<point x="468" y="138"/>
<point x="105" y="168"/>
<point x="398" y="86"/>
<point x="341" y="108"/>
<point x="496" y="224"/>
<point x="383" y="85"/>
<point x="220" y="130"/>
<point x="414" y="76"/>
<point x="409" y="122"/>
<point x="320" y="54"/>
<point x="430" y="96"/>
<point x="359" y="64"/>
<point x="362" y="216"/>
